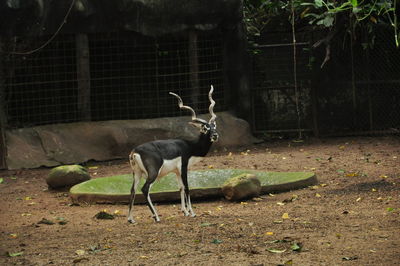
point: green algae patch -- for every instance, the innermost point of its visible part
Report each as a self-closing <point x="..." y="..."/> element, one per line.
<point x="203" y="184"/>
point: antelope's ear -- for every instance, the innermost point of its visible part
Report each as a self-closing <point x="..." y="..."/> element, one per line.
<point x="196" y="125"/>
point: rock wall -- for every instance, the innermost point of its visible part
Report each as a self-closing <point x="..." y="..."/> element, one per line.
<point x="59" y="144"/>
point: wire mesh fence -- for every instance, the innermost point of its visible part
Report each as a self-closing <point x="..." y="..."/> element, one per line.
<point x="360" y="89"/>
<point x="125" y="76"/>
<point x="356" y="92"/>
<point x="274" y="88"/>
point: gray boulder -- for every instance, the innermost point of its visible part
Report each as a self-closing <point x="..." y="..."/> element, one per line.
<point x="67" y="176"/>
<point x="72" y="143"/>
<point x="241" y="187"/>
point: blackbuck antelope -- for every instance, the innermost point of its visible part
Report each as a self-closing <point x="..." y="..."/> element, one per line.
<point x="156" y="159"/>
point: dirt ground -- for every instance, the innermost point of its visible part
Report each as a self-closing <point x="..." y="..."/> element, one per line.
<point x="350" y="218"/>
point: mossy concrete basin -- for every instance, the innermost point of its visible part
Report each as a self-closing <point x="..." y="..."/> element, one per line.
<point x="203" y="185"/>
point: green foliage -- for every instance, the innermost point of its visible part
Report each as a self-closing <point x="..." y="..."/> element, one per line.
<point x="322" y="14"/>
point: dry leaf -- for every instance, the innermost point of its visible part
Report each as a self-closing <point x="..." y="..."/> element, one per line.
<point x="352" y="174"/>
<point x="269" y="233"/>
<point x="285" y="215"/>
<point x="317" y="195"/>
<point x="80" y="252"/>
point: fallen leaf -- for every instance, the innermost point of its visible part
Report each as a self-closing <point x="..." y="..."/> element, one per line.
<point x="211" y="166"/>
<point x="285" y="215"/>
<point x="272" y="250"/>
<point x="373" y="190"/>
<point x="317" y="195"/>
<point x="352" y="174"/>
<point x="1" y="180"/>
<point x="323" y="185"/>
<point x="280" y="203"/>
<point x="257" y="199"/>
<point x="390" y="209"/>
<point x="358" y="199"/>
<point x="13" y="235"/>
<point x="293" y="198"/>
<point x="383" y="176"/>
<point x="216" y="241"/>
<point x="296" y="247"/>
<point x="45" y="221"/>
<point x="277" y="222"/>
<point x="269" y="233"/>
<point x="80" y="252"/>
<point x="104" y="216"/>
<point x="206" y="224"/>
<point x="143" y="257"/>
<point x="15" y="254"/>
<point x="350" y="258"/>
<point x="27" y="198"/>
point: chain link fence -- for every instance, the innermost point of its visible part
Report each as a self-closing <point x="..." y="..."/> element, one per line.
<point x="109" y="76"/>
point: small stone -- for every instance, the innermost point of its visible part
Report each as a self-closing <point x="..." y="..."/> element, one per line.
<point x="67" y="176"/>
<point x="241" y="187"/>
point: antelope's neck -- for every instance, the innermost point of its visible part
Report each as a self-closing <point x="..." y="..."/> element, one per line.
<point x="201" y="146"/>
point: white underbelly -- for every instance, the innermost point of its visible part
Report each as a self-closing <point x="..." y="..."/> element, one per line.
<point x="175" y="165"/>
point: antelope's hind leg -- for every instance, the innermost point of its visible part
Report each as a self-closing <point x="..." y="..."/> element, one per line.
<point x="146" y="193"/>
<point x="136" y="179"/>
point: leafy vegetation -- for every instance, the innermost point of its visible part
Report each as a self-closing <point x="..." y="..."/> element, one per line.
<point x="335" y="16"/>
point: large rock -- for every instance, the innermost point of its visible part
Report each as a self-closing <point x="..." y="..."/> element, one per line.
<point x="60" y="144"/>
<point x="241" y="187"/>
<point x="67" y="176"/>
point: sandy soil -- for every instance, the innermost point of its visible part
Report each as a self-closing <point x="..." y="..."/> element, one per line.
<point x="352" y="217"/>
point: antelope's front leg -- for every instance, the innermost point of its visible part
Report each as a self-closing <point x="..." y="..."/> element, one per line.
<point x="188" y="204"/>
<point x="183" y="196"/>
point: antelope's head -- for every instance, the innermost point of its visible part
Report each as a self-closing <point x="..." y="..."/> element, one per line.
<point x="207" y="128"/>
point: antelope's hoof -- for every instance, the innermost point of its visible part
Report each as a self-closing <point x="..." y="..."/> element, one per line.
<point x="130" y="220"/>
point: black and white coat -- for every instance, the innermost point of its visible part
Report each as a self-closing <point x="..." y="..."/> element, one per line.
<point x="156" y="159"/>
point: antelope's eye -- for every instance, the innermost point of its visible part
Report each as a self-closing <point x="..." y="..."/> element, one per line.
<point x="206" y="127"/>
